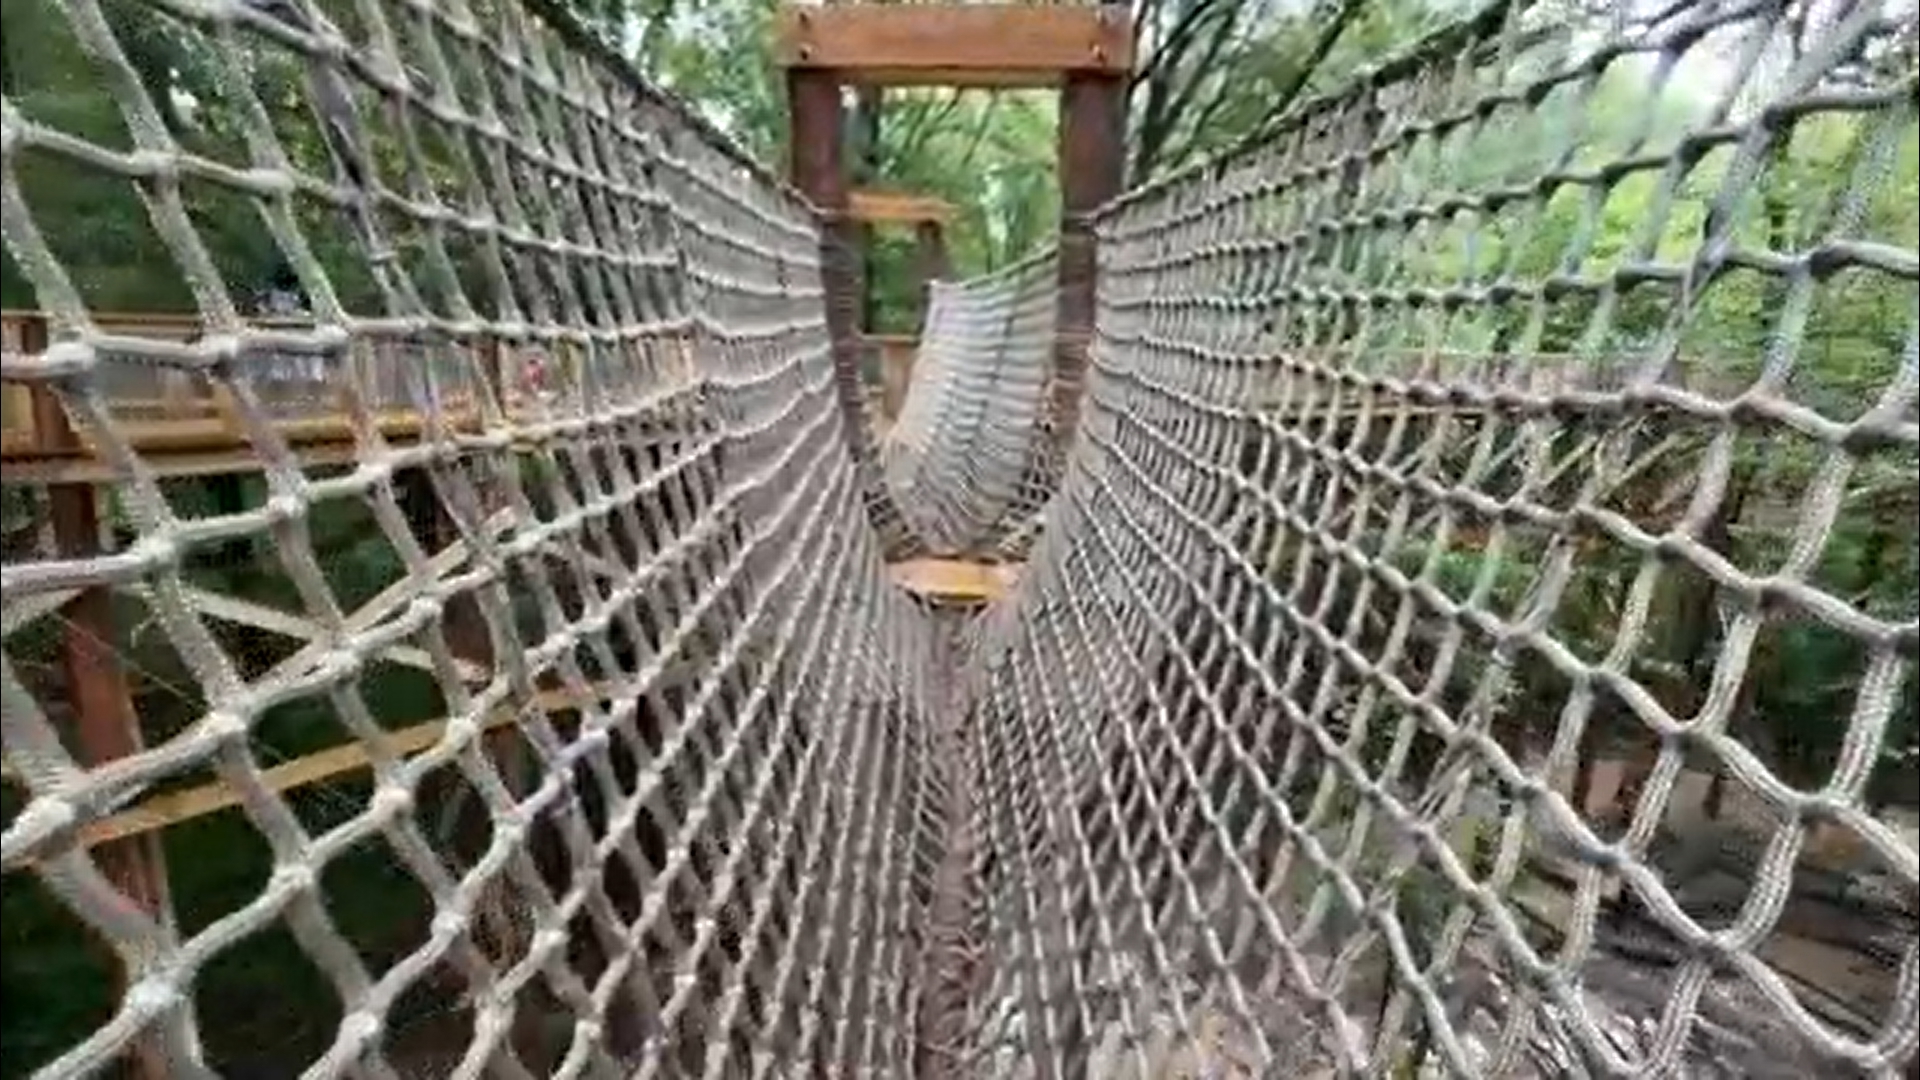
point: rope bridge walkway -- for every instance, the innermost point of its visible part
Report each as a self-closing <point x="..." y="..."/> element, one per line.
<point x="1271" y="763"/>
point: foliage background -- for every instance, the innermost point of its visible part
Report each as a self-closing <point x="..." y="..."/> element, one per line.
<point x="1213" y="71"/>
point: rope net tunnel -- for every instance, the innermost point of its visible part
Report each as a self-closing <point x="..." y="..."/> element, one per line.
<point x="1395" y="503"/>
<point x="962" y="458"/>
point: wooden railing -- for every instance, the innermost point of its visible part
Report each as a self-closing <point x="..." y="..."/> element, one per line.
<point x="185" y="424"/>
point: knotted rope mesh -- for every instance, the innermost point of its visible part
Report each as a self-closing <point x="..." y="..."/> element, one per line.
<point x="1390" y="484"/>
<point x="1387" y="471"/>
<point x="650" y="614"/>
<point x="961" y="456"/>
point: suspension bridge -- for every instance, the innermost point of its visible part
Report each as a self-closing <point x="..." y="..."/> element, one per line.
<point x="1201" y="656"/>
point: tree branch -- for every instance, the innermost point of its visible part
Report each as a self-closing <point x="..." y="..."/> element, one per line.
<point x="1333" y="25"/>
<point x="1336" y="25"/>
<point x="926" y="120"/>
<point x="979" y="133"/>
<point x="1175" y="44"/>
<point x="1223" y="91"/>
<point x="1162" y="118"/>
<point x="1162" y="73"/>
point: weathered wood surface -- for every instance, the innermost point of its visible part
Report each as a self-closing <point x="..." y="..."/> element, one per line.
<point x="966" y="45"/>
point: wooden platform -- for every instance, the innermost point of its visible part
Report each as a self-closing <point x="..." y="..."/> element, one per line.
<point x="955" y="580"/>
<point x="897" y="208"/>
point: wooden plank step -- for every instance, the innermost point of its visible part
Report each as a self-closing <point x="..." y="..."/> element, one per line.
<point x="955" y="580"/>
<point x="897" y="207"/>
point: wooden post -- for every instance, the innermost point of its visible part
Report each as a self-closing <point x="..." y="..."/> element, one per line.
<point x="228" y="494"/>
<point x="930" y="241"/>
<point x="106" y="725"/>
<point x="897" y="353"/>
<point x="816" y="168"/>
<point x="1093" y="115"/>
<point x="491" y="357"/>
<point x="866" y="122"/>
<point x="1093" y="118"/>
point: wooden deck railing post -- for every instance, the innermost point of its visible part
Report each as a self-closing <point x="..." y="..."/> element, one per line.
<point x="105" y="722"/>
<point x="868" y="104"/>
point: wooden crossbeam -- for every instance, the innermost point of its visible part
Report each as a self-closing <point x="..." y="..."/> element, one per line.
<point x="178" y="460"/>
<point x="174" y="465"/>
<point x="206" y="434"/>
<point x="897" y="207"/>
<point x="954" y="579"/>
<point x="964" y="45"/>
<point x="249" y="613"/>
<point x="172" y="808"/>
<point x="388" y="600"/>
<point x="160" y="811"/>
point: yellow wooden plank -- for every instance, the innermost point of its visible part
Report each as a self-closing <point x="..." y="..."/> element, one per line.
<point x="896" y="207"/>
<point x="175" y="807"/>
<point x="16" y="417"/>
<point x="955" y="579"/>
<point x="987" y="45"/>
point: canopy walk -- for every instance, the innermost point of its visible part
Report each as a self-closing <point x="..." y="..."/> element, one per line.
<point x="1327" y="555"/>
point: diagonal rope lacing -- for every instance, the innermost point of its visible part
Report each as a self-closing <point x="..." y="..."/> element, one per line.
<point x="970" y="430"/>
<point x="1260" y="770"/>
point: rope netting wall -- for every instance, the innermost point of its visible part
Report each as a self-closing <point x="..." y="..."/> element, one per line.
<point x="1388" y="480"/>
<point x="961" y="457"/>
<point x="1385" y="471"/>
<point x="652" y="620"/>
